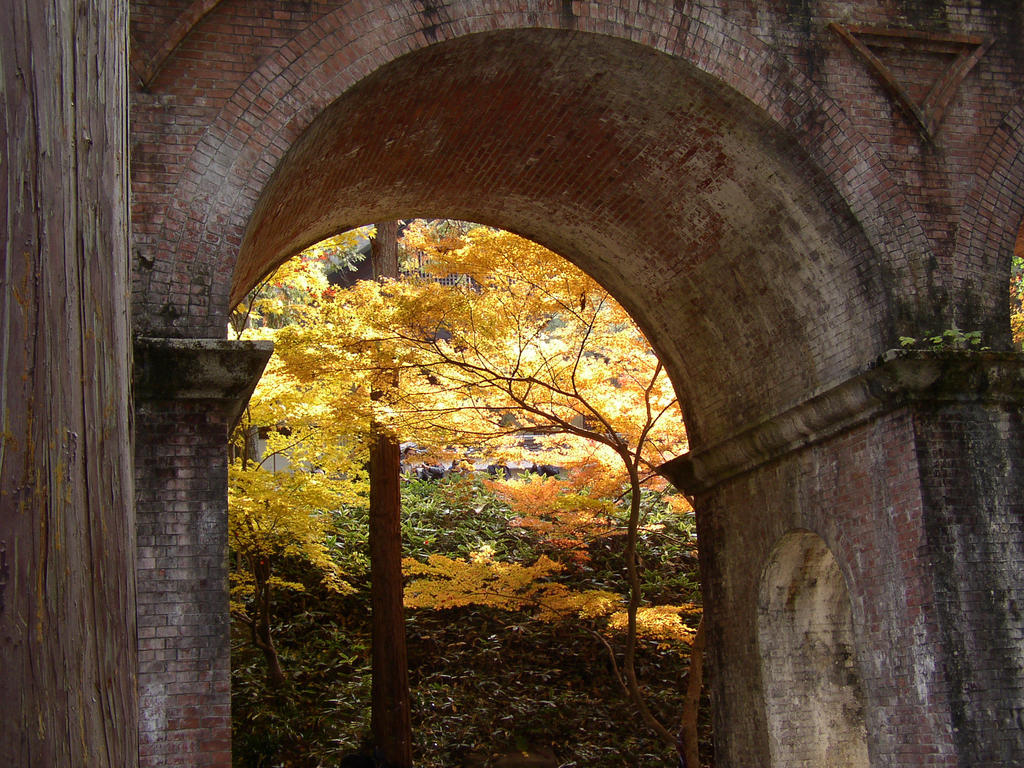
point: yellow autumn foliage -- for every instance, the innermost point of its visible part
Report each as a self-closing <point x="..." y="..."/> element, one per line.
<point x="444" y="582"/>
<point x="1017" y="317"/>
<point x="281" y="514"/>
<point x="663" y="623"/>
<point x="523" y="343"/>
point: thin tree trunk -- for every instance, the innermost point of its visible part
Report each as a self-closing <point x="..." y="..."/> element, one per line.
<point x="67" y="517"/>
<point x="264" y="640"/>
<point x="633" y="579"/>
<point x="262" y="636"/>
<point x="691" y="702"/>
<point x="392" y="728"/>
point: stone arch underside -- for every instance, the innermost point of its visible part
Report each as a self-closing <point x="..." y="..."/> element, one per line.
<point x="744" y="266"/>
<point x="657" y="185"/>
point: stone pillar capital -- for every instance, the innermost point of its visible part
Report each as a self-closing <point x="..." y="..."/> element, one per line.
<point x="897" y="379"/>
<point x="214" y="370"/>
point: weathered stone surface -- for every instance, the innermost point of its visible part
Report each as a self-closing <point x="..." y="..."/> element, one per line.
<point x="188" y="393"/>
<point x="182" y="576"/>
<point x="814" y="697"/>
<point x="898" y="378"/>
<point x="215" y="370"/>
<point x="920" y="507"/>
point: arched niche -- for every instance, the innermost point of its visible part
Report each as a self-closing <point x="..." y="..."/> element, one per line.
<point x="812" y="686"/>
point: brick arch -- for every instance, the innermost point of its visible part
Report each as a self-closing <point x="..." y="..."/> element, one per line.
<point x="990" y="227"/>
<point x="745" y="223"/>
<point x="737" y="249"/>
<point x="239" y="151"/>
<point x="145" y="68"/>
<point x="240" y="157"/>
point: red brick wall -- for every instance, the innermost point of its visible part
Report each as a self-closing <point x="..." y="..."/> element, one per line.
<point x="921" y="509"/>
<point x="971" y="459"/>
<point x="860" y="493"/>
<point x="184" y="650"/>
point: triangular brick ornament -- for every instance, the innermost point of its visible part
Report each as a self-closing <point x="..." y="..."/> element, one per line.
<point x="965" y="51"/>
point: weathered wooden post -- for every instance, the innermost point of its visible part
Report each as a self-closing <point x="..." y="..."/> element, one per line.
<point x="67" y="527"/>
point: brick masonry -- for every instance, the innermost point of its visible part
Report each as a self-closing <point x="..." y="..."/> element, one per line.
<point x="843" y="492"/>
<point x="187" y="394"/>
<point x="184" y="654"/>
<point x="813" y="692"/>
<point x="773" y="208"/>
<point x="971" y="462"/>
<point x="919" y="504"/>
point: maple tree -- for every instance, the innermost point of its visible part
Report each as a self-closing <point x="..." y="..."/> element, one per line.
<point x="486" y="680"/>
<point x="1017" y="301"/>
<point x="280" y="502"/>
<point x="281" y="496"/>
<point x="519" y="343"/>
<point x="522" y="343"/>
<point x="330" y="424"/>
<point x="530" y="344"/>
<point x="276" y="515"/>
<point x="447" y="582"/>
<point x="506" y="328"/>
<point x="282" y="296"/>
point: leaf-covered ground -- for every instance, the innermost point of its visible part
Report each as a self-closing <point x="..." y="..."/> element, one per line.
<point x="486" y="683"/>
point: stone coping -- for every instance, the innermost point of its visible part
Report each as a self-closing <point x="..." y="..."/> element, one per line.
<point x="224" y="372"/>
<point x="898" y="378"/>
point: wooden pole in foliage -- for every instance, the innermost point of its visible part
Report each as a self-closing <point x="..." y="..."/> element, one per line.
<point x="67" y="538"/>
<point x="392" y="729"/>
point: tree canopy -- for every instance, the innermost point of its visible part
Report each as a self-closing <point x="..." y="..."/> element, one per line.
<point x="496" y="353"/>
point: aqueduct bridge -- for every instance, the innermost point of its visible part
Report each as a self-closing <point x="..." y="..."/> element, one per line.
<point x="778" y="191"/>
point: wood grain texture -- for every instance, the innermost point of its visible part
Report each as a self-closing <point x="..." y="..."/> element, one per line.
<point x="67" y="612"/>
